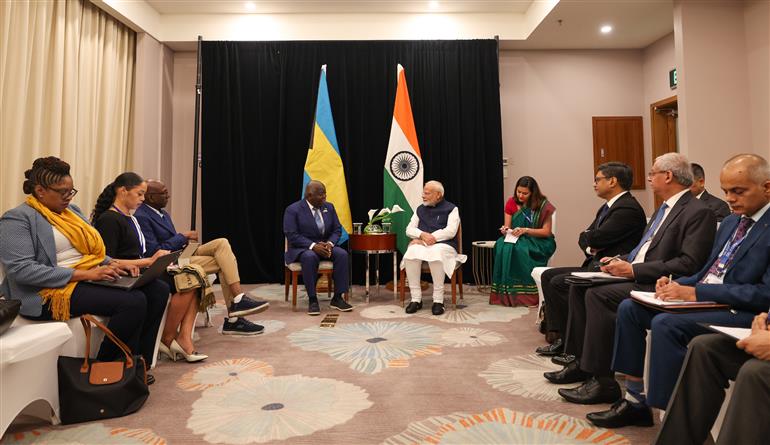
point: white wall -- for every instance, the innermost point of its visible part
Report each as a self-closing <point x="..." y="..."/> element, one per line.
<point x="757" y="31"/>
<point x="657" y="60"/>
<point x="180" y="183"/>
<point x="548" y="99"/>
<point x="714" y="117"/>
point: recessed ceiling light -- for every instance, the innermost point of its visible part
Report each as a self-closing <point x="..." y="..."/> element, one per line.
<point x="606" y="29"/>
<point x="433" y="4"/>
<point x="250" y="6"/>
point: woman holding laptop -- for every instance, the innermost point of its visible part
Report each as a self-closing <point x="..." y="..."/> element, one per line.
<point x="123" y="238"/>
<point x="49" y="250"/>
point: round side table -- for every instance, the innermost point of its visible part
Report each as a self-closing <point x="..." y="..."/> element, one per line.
<point x="482" y="258"/>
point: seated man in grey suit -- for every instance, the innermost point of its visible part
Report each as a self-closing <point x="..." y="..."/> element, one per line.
<point x="698" y="188"/>
<point x="712" y="361"/>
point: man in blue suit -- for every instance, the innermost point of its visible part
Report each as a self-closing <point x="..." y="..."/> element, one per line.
<point x="737" y="274"/>
<point x="312" y="230"/>
<point x="215" y="256"/>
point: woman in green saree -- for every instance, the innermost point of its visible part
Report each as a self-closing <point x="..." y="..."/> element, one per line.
<point x="528" y="217"/>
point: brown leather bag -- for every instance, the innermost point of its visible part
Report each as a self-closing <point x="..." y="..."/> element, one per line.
<point x="93" y="390"/>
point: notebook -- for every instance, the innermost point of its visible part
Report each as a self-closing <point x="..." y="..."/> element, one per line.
<point x="156" y="270"/>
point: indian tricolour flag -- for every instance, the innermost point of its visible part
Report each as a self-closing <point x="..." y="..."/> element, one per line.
<point x="323" y="162"/>
<point x="403" y="164"/>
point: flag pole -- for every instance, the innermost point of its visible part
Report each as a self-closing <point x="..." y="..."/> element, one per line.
<point x="196" y="152"/>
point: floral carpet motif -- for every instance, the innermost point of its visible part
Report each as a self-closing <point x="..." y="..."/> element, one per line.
<point x="470" y="337"/>
<point x="93" y="433"/>
<point x="371" y="347"/>
<point x="221" y="373"/>
<point x="523" y="376"/>
<point x="505" y="426"/>
<point x="474" y="313"/>
<point x="258" y="409"/>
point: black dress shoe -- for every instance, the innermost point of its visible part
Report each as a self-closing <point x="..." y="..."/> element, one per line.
<point x="570" y="374"/>
<point x="313" y="308"/>
<point x="563" y="359"/>
<point x="413" y="307"/>
<point x="622" y="413"/>
<point x="437" y="308"/>
<point x="554" y="348"/>
<point x="593" y="391"/>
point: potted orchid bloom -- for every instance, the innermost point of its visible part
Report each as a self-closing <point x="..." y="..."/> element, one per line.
<point x="383" y="215"/>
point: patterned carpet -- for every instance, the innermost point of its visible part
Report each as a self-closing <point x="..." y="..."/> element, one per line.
<point x="378" y="376"/>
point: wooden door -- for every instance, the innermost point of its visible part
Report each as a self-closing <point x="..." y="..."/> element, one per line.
<point x="663" y="116"/>
<point x="619" y="138"/>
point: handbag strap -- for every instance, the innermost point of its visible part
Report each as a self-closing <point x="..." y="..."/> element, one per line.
<point x="86" y="320"/>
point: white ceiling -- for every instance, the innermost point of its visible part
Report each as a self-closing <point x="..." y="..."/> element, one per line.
<point x="574" y="24"/>
<point x="337" y="6"/>
<point x="570" y="24"/>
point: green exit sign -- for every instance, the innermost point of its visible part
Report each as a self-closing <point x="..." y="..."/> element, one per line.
<point x="672" y="79"/>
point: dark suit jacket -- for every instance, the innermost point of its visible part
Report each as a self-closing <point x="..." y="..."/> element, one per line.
<point x="746" y="284"/>
<point x="159" y="233"/>
<point x="719" y="207"/>
<point x="618" y="232"/>
<point x="682" y="243"/>
<point x="301" y="231"/>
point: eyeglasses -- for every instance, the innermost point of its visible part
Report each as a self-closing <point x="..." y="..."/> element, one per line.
<point x="599" y="178"/>
<point x="65" y="193"/>
<point x="652" y="173"/>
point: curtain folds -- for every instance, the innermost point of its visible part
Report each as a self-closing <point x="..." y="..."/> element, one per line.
<point x="257" y="117"/>
<point x="66" y="81"/>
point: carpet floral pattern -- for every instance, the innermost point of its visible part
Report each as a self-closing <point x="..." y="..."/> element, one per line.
<point x="259" y="409"/>
<point x="375" y="375"/>
<point x="93" y="433"/>
<point x="523" y="376"/>
<point x="505" y="426"/>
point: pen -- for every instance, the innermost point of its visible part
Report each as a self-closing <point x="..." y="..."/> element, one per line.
<point x="670" y="278"/>
<point x="604" y="263"/>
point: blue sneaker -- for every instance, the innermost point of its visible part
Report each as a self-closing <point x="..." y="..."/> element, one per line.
<point x="247" y="306"/>
<point x="241" y="326"/>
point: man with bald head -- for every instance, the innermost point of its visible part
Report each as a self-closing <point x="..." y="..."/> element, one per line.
<point x="215" y="256"/>
<point x="312" y="231"/>
<point x="432" y="228"/>
<point x="737" y="273"/>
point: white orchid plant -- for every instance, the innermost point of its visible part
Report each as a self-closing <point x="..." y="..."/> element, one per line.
<point x="383" y="215"/>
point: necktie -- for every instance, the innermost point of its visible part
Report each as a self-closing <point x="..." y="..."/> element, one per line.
<point x="720" y="265"/>
<point x="649" y="233"/>
<point x="602" y="213"/>
<point x="318" y="221"/>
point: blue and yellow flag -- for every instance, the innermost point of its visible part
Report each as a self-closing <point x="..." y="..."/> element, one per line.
<point x="323" y="161"/>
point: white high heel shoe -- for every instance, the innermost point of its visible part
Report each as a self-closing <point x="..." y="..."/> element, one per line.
<point x="163" y="349"/>
<point x="190" y="358"/>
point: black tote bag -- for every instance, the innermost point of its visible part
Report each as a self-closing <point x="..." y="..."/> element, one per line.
<point x="93" y="390"/>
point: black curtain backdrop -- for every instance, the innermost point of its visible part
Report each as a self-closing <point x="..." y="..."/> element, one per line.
<point x="257" y="117"/>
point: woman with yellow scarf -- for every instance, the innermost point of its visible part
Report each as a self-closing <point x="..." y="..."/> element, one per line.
<point x="48" y="250"/>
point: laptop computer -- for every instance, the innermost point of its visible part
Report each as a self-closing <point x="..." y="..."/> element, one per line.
<point x="157" y="269"/>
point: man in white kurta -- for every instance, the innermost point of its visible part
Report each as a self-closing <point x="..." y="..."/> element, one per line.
<point x="433" y="228"/>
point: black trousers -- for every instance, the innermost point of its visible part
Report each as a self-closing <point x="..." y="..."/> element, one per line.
<point x="712" y="361"/>
<point x="556" y="296"/>
<point x="591" y="333"/>
<point x="135" y="315"/>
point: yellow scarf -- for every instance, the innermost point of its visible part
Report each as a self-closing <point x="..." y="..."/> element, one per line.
<point x="84" y="238"/>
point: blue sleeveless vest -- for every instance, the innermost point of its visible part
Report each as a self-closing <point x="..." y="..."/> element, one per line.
<point x="435" y="218"/>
